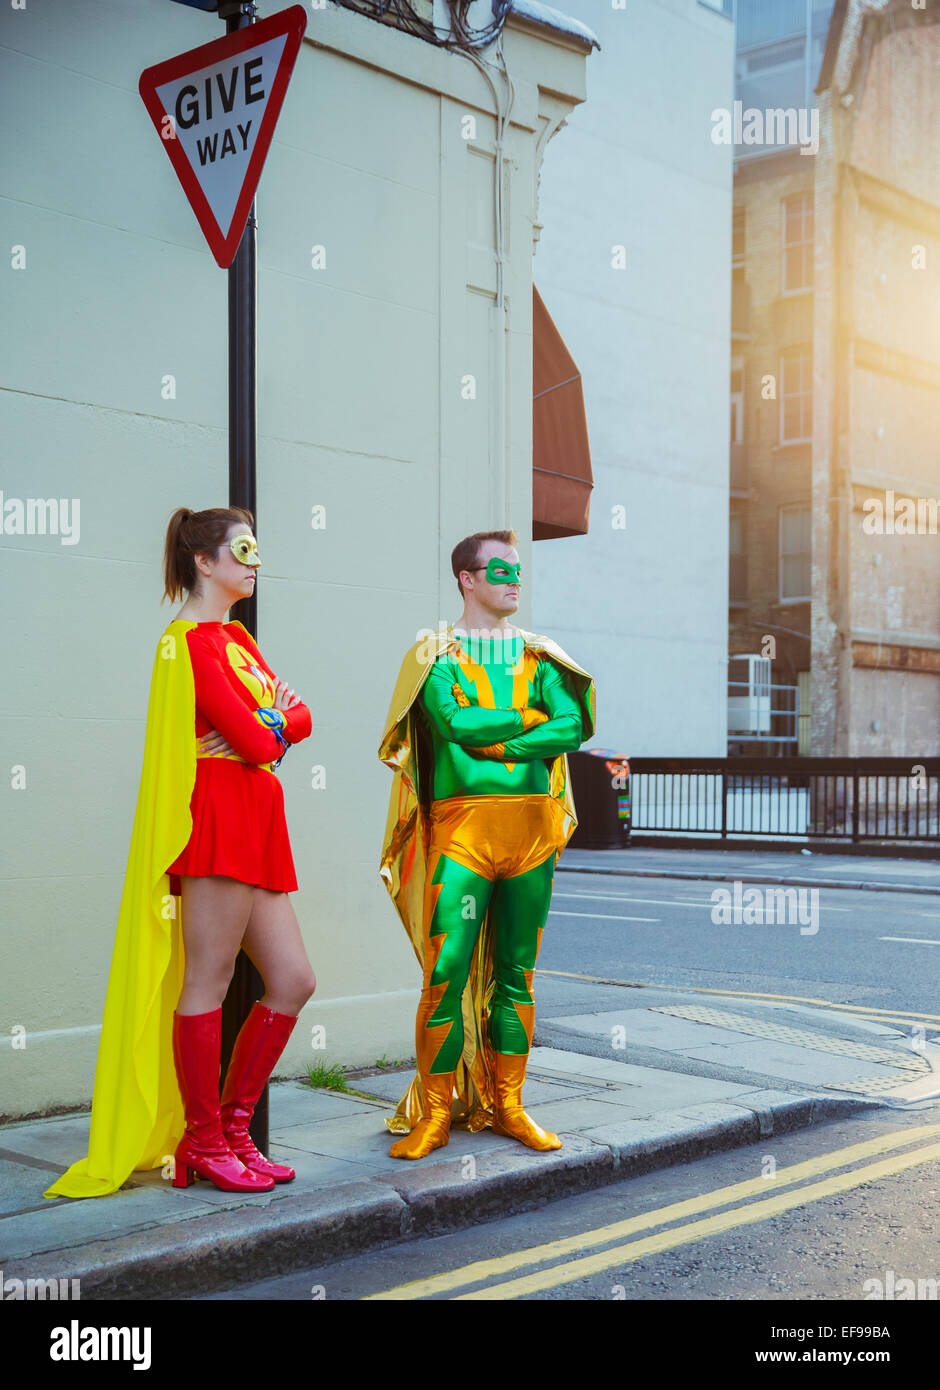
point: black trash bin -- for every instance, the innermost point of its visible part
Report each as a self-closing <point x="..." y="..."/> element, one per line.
<point x="600" y="781"/>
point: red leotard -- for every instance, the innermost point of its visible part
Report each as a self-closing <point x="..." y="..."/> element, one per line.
<point x="239" y="829"/>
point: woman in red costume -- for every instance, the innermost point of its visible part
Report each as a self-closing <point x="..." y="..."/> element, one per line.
<point x="236" y="871"/>
<point x="230" y="879"/>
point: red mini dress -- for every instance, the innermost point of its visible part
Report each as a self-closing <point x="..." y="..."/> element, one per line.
<point x="237" y="804"/>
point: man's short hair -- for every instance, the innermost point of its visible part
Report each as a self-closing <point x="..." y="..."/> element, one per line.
<point x="466" y="553"/>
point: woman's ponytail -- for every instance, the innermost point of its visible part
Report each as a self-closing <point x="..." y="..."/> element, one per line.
<point x="189" y="533"/>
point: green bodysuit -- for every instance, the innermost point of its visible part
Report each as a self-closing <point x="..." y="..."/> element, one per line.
<point x="495" y="830"/>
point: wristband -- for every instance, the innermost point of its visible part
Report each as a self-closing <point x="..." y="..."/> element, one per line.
<point x="274" y="719"/>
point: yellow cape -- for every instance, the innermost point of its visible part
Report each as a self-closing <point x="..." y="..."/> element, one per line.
<point x="136" y="1111"/>
<point x="404" y="865"/>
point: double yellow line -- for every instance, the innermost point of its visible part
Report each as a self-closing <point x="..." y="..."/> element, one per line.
<point x="588" y="1265"/>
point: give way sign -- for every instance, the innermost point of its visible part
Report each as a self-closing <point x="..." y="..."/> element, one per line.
<point x="215" y="109"/>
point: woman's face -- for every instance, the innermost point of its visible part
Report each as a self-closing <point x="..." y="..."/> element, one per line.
<point x="234" y="578"/>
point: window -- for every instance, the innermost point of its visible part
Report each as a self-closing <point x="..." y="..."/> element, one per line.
<point x="738" y="236"/>
<point x="736" y="533"/>
<point x="779" y="56"/>
<point x="797" y="243"/>
<point x="780" y="45"/>
<point x="769" y="21"/>
<point x="737" y="561"/>
<point x="796" y="396"/>
<point x="803" y="693"/>
<point x="737" y="405"/>
<point x="795" y="554"/>
<point x="770" y="77"/>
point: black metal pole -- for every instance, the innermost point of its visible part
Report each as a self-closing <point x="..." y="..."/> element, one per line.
<point x="247" y="985"/>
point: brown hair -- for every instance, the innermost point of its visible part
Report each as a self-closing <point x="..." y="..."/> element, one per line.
<point x="466" y="552"/>
<point x="190" y="533"/>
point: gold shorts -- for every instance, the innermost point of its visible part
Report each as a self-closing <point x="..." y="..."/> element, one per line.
<point x="497" y="836"/>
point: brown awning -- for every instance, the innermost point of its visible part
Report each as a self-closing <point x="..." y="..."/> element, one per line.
<point x="561" y="455"/>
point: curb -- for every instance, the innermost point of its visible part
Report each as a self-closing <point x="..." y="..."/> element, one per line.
<point x="212" y="1253"/>
<point x="765" y="879"/>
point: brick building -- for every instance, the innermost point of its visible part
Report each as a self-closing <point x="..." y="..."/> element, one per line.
<point x="835" y="392"/>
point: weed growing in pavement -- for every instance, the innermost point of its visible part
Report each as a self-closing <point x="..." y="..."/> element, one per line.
<point x="328" y="1078"/>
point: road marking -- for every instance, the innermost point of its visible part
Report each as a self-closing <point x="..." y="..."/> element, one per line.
<point x="666" y="902"/>
<point x="620" y="898"/>
<point x="914" y="940"/>
<point x="602" y="916"/>
<point x="867" y="1011"/>
<point x="699" y="1230"/>
<point x="820" y="884"/>
<point x="721" y="1197"/>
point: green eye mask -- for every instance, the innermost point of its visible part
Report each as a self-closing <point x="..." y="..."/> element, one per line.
<point x="245" y="549"/>
<point x="502" y="572"/>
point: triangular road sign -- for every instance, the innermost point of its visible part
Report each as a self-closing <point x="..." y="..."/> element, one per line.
<point x="215" y="109"/>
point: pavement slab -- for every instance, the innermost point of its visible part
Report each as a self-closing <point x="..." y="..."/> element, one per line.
<point x="664" y="1088"/>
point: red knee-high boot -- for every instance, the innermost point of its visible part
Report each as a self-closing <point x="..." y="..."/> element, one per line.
<point x="260" y="1043"/>
<point x="203" y="1149"/>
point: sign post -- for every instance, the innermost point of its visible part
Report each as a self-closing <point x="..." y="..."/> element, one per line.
<point x="215" y="108"/>
<point x="246" y="984"/>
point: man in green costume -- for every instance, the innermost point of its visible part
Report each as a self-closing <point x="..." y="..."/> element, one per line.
<point x="480" y="722"/>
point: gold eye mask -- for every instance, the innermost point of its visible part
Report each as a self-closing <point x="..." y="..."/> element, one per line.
<point x="245" y="550"/>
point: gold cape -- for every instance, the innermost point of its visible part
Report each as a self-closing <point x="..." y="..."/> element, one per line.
<point x="136" y="1111"/>
<point x="404" y="865"/>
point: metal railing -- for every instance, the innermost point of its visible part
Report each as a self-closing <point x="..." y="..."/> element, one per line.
<point x="854" y="799"/>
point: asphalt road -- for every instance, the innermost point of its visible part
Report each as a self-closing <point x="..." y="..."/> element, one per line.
<point x="874" y="948"/>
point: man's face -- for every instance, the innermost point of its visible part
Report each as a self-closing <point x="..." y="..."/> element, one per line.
<point x="498" y="598"/>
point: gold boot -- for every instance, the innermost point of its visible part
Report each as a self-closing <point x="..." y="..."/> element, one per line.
<point x="509" y="1118"/>
<point x="433" y="1130"/>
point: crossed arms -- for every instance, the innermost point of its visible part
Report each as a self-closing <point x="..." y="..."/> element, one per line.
<point x="507" y="735"/>
<point x="231" y="717"/>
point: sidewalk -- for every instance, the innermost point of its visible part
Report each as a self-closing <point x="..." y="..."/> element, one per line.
<point x="633" y="1080"/>
<point x="798" y="868"/>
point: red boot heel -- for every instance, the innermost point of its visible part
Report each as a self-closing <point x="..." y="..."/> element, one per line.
<point x="183" y="1175"/>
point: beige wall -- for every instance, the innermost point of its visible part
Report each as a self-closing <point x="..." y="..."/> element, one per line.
<point x="360" y="368"/>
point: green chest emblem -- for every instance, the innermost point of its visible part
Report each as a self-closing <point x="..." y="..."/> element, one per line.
<point x="496" y="674"/>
